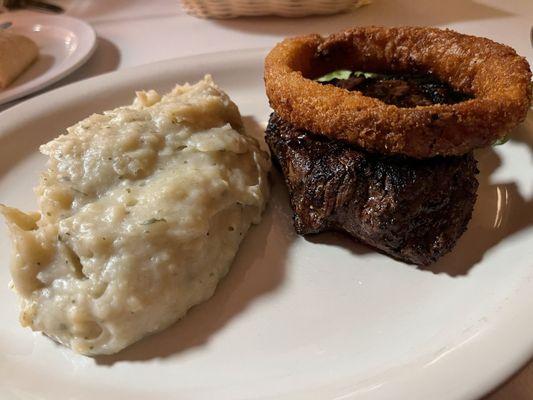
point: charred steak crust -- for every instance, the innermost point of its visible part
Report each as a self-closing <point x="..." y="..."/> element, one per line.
<point x="413" y="210"/>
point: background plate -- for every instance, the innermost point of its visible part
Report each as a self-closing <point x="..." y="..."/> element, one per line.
<point x="295" y="318"/>
<point x="65" y="43"/>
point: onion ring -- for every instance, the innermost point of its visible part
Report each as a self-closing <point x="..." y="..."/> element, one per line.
<point x="498" y="79"/>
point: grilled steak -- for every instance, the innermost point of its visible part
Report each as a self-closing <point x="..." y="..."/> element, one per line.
<point x="413" y="210"/>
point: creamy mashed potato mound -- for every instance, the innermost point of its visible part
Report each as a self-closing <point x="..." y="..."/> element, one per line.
<point x="142" y="210"/>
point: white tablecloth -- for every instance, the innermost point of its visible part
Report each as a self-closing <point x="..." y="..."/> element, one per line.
<point x="134" y="32"/>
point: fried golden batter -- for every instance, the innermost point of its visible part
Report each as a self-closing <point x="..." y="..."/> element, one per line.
<point x="493" y="74"/>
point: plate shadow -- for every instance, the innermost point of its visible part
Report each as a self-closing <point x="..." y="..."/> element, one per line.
<point x="500" y="211"/>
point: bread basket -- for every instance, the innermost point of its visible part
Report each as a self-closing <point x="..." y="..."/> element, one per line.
<point x="284" y="8"/>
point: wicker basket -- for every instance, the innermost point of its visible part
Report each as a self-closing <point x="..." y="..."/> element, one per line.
<point x="284" y="8"/>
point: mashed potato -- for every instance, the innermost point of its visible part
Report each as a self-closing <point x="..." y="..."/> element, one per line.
<point x="142" y="210"/>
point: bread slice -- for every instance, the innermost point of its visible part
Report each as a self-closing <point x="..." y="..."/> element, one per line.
<point x="17" y="53"/>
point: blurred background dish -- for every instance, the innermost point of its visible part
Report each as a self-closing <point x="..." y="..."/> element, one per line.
<point x="65" y="43"/>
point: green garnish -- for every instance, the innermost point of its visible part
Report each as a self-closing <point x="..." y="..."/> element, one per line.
<point x="339" y="74"/>
<point x="153" y="221"/>
<point x="368" y="75"/>
<point x="345" y="74"/>
<point x="501" y="141"/>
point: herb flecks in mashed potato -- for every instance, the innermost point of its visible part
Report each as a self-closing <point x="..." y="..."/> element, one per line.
<point x="134" y="207"/>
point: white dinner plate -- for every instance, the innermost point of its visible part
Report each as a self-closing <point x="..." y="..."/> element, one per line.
<point x="65" y="43"/>
<point x="296" y="318"/>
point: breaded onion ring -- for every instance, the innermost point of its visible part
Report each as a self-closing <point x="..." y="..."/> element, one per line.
<point x="496" y="77"/>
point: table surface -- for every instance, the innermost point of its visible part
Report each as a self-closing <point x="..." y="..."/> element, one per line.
<point x="135" y="32"/>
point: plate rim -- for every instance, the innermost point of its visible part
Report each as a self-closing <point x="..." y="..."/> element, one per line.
<point x="512" y="330"/>
<point x="87" y="50"/>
